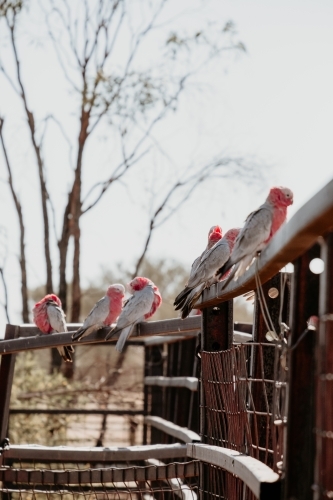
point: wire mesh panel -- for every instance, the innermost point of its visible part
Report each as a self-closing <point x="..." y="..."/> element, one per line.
<point x="224" y="485"/>
<point x="232" y="418"/>
<point x="40" y="481"/>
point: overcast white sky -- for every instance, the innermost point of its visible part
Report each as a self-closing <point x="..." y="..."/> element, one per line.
<point x="273" y="103"/>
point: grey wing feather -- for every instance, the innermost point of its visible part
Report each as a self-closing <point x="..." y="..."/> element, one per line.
<point x="126" y="332"/>
<point x="58" y="322"/>
<point x="138" y="305"/>
<point x="98" y="313"/>
<point x="211" y="261"/>
<point x="56" y="318"/>
<point x="256" y="230"/>
<point x="195" y="265"/>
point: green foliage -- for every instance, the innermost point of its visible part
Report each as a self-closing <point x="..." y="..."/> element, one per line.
<point x="34" y="388"/>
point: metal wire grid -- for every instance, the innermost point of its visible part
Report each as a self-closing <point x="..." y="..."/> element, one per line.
<point x="217" y="483"/>
<point x="238" y="402"/>
<point x="68" y="481"/>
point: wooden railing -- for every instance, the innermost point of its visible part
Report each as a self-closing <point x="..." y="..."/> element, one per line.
<point x="269" y="401"/>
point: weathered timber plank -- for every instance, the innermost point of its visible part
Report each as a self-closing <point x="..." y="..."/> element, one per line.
<point x="181" y="433"/>
<point x="251" y="471"/>
<point x="170" y="327"/>
<point x="100" y="455"/>
<point x="190" y="383"/>
<point x="67" y="411"/>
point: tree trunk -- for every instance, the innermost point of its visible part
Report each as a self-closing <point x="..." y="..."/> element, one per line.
<point x="24" y="285"/>
<point x="63" y="250"/>
<point x="76" y="287"/>
<point x="71" y="227"/>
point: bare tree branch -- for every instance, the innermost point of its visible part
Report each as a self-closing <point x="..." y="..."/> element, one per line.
<point x="5" y="305"/>
<point x="191" y="183"/>
<point x="23" y="262"/>
<point x="37" y="150"/>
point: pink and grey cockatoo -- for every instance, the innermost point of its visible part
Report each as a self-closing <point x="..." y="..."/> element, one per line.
<point x="204" y="275"/>
<point x="214" y="235"/>
<point x="104" y="313"/>
<point x="144" y="302"/>
<point x="50" y="318"/>
<point x="259" y="228"/>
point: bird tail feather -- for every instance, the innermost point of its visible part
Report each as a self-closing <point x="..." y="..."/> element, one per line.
<point x="78" y="334"/>
<point x="111" y="332"/>
<point x="65" y="353"/>
<point x="191" y="300"/>
<point x="181" y="297"/>
<point x="126" y="332"/>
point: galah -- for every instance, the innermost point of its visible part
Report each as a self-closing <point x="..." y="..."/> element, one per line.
<point x="214" y="235"/>
<point x="259" y="228"/>
<point x="204" y="276"/>
<point x="144" y="302"/>
<point x="50" y="318"/>
<point x="104" y="313"/>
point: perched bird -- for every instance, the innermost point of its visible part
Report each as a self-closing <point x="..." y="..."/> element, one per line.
<point x="104" y="313"/>
<point x="49" y="318"/>
<point x="146" y="299"/>
<point x="259" y="228"/>
<point x="214" y="235"/>
<point x="204" y="275"/>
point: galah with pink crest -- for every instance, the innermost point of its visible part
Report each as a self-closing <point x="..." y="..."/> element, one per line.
<point x="104" y="313"/>
<point x="214" y="235"/>
<point x="144" y="302"/>
<point x="260" y="226"/>
<point x="50" y="318"/>
<point x="204" y="275"/>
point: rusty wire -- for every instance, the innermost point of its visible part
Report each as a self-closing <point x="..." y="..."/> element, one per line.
<point x="218" y="483"/>
<point x="238" y="408"/>
<point x="125" y="481"/>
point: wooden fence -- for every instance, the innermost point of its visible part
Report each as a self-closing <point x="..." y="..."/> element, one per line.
<point x="228" y="413"/>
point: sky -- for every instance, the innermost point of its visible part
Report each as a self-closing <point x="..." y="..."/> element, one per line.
<point x="272" y="104"/>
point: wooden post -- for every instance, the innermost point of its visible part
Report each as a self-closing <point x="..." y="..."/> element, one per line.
<point x="217" y="327"/>
<point x="6" y="377"/>
<point x="216" y="335"/>
<point x="299" y="456"/>
<point x="323" y="486"/>
<point x="154" y="395"/>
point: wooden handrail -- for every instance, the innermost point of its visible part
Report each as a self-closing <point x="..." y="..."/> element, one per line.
<point x="256" y="475"/>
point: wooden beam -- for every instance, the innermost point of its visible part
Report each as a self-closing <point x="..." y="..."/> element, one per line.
<point x="99" y="454"/>
<point x="67" y="411"/>
<point x="6" y="376"/>
<point x="190" y="383"/>
<point x="300" y="443"/>
<point x="181" y="433"/>
<point x="256" y="475"/>
<point x="171" y="327"/>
